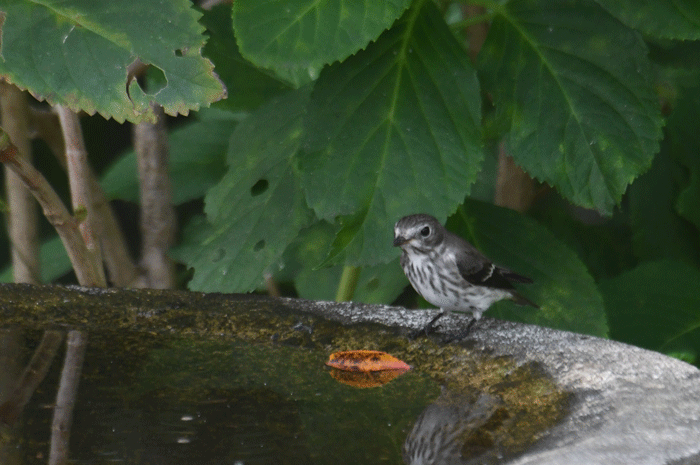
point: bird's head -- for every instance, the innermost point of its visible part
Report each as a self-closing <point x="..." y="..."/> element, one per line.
<point x="418" y="231"/>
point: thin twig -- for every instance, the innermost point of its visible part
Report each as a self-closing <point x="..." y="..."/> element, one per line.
<point x="54" y="210"/>
<point x="120" y="266"/>
<point x="65" y="399"/>
<point x="22" y="217"/>
<point x="78" y="175"/>
<point x="33" y="375"/>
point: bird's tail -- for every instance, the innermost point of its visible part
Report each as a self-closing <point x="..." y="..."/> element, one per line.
<point x="520" y="300"/>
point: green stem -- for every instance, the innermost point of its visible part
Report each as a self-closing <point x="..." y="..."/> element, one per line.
<point x="348" y="283"/>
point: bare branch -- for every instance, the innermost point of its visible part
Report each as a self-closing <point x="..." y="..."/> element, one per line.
<point x="22" y="218"/>
<point x="33" y="375"/>
<point x="78" y="177"/>
<point x="476" y="33"/>
<point x="54" y="210"/>
<point x="514" y="188"/>
<point x="120" y="266"/>
<point x="65" y="399"/>
<point x="157" y="213"/>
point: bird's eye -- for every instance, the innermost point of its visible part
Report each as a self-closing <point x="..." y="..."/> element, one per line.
<point x="425" y="232"/>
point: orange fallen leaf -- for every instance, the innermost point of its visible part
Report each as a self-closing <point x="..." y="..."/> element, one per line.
<point x="360" y="379"/>
<point x="366" y="361"/>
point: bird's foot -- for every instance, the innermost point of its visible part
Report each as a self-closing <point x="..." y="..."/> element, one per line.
<point x="427" y="329"/>
<point x="463" y="334"/>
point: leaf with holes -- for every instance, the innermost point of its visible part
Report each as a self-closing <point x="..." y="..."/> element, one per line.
<point x="576" y="88"/>
<point x="392" y="130"/>
<point x="296" y="39"/>
<point x="258" y="208"/>
<point x="77" y="53"/>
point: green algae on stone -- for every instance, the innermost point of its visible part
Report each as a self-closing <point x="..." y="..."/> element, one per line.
<point x="199" y="346"/>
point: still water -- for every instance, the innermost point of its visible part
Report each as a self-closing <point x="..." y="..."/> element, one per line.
<point x="168" y="377"/>
<point x="154" y="399"/>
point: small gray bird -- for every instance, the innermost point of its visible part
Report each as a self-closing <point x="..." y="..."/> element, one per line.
<point x="452" y="429"/>
<point x="449" y="272"/>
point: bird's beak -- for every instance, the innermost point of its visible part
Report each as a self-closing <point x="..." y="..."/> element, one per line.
<point x="399" y="241"/>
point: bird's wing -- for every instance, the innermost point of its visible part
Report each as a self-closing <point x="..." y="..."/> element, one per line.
<point x="479" y="270"/>
<point x="512" y="276"/>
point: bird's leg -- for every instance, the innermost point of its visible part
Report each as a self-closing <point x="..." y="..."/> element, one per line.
<point x="465" y="333"/>
<point x="427" y="329"/>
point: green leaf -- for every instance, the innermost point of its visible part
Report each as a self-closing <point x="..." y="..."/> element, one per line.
<point x="194" y="233"/>
<point x="668" y="19"/>
<point x="376" y="284"/>
<point x="688" y="204"/>
<point x="53" y="259"/>
<point x="296" y="39"/>
<point x="679" y="57"/>
<point x="197" y="159"/>
<point x="575" y="86"/>
<point x="562" y="286"/>
<point x="685" y="145"/>
<point x="392" y="130"/>
<point x="258" y="208"/>
<point x="248" y="87"/>
<point x="656" y="306"/>
<point x="603" y="245"/>
<point x="658" y="231"/>
<point x="76" y="53"/>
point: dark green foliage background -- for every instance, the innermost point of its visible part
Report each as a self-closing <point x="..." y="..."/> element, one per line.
<point x="343" y="116"/>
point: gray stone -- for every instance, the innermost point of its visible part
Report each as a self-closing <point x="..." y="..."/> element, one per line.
<point x="628" y="405"/>
<point x="631" y="405"/>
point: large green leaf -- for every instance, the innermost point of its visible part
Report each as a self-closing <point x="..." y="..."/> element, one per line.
<point x="258" y="208"/>
<point x="658" y="231"/>
<point x="392" y="130"/>
<point x="248" y="87"/>
<point x="604" y="246"/>
<point x="667" y="19"/>
<point x="296" y="39"/>
<point x="685" y="146"/>
<point x="76" y="53"/>
<point x="197" y="159"/>
<point x="562" y="286"/>
<point x="656" y="306"/>
<point x="575" y="86"/>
